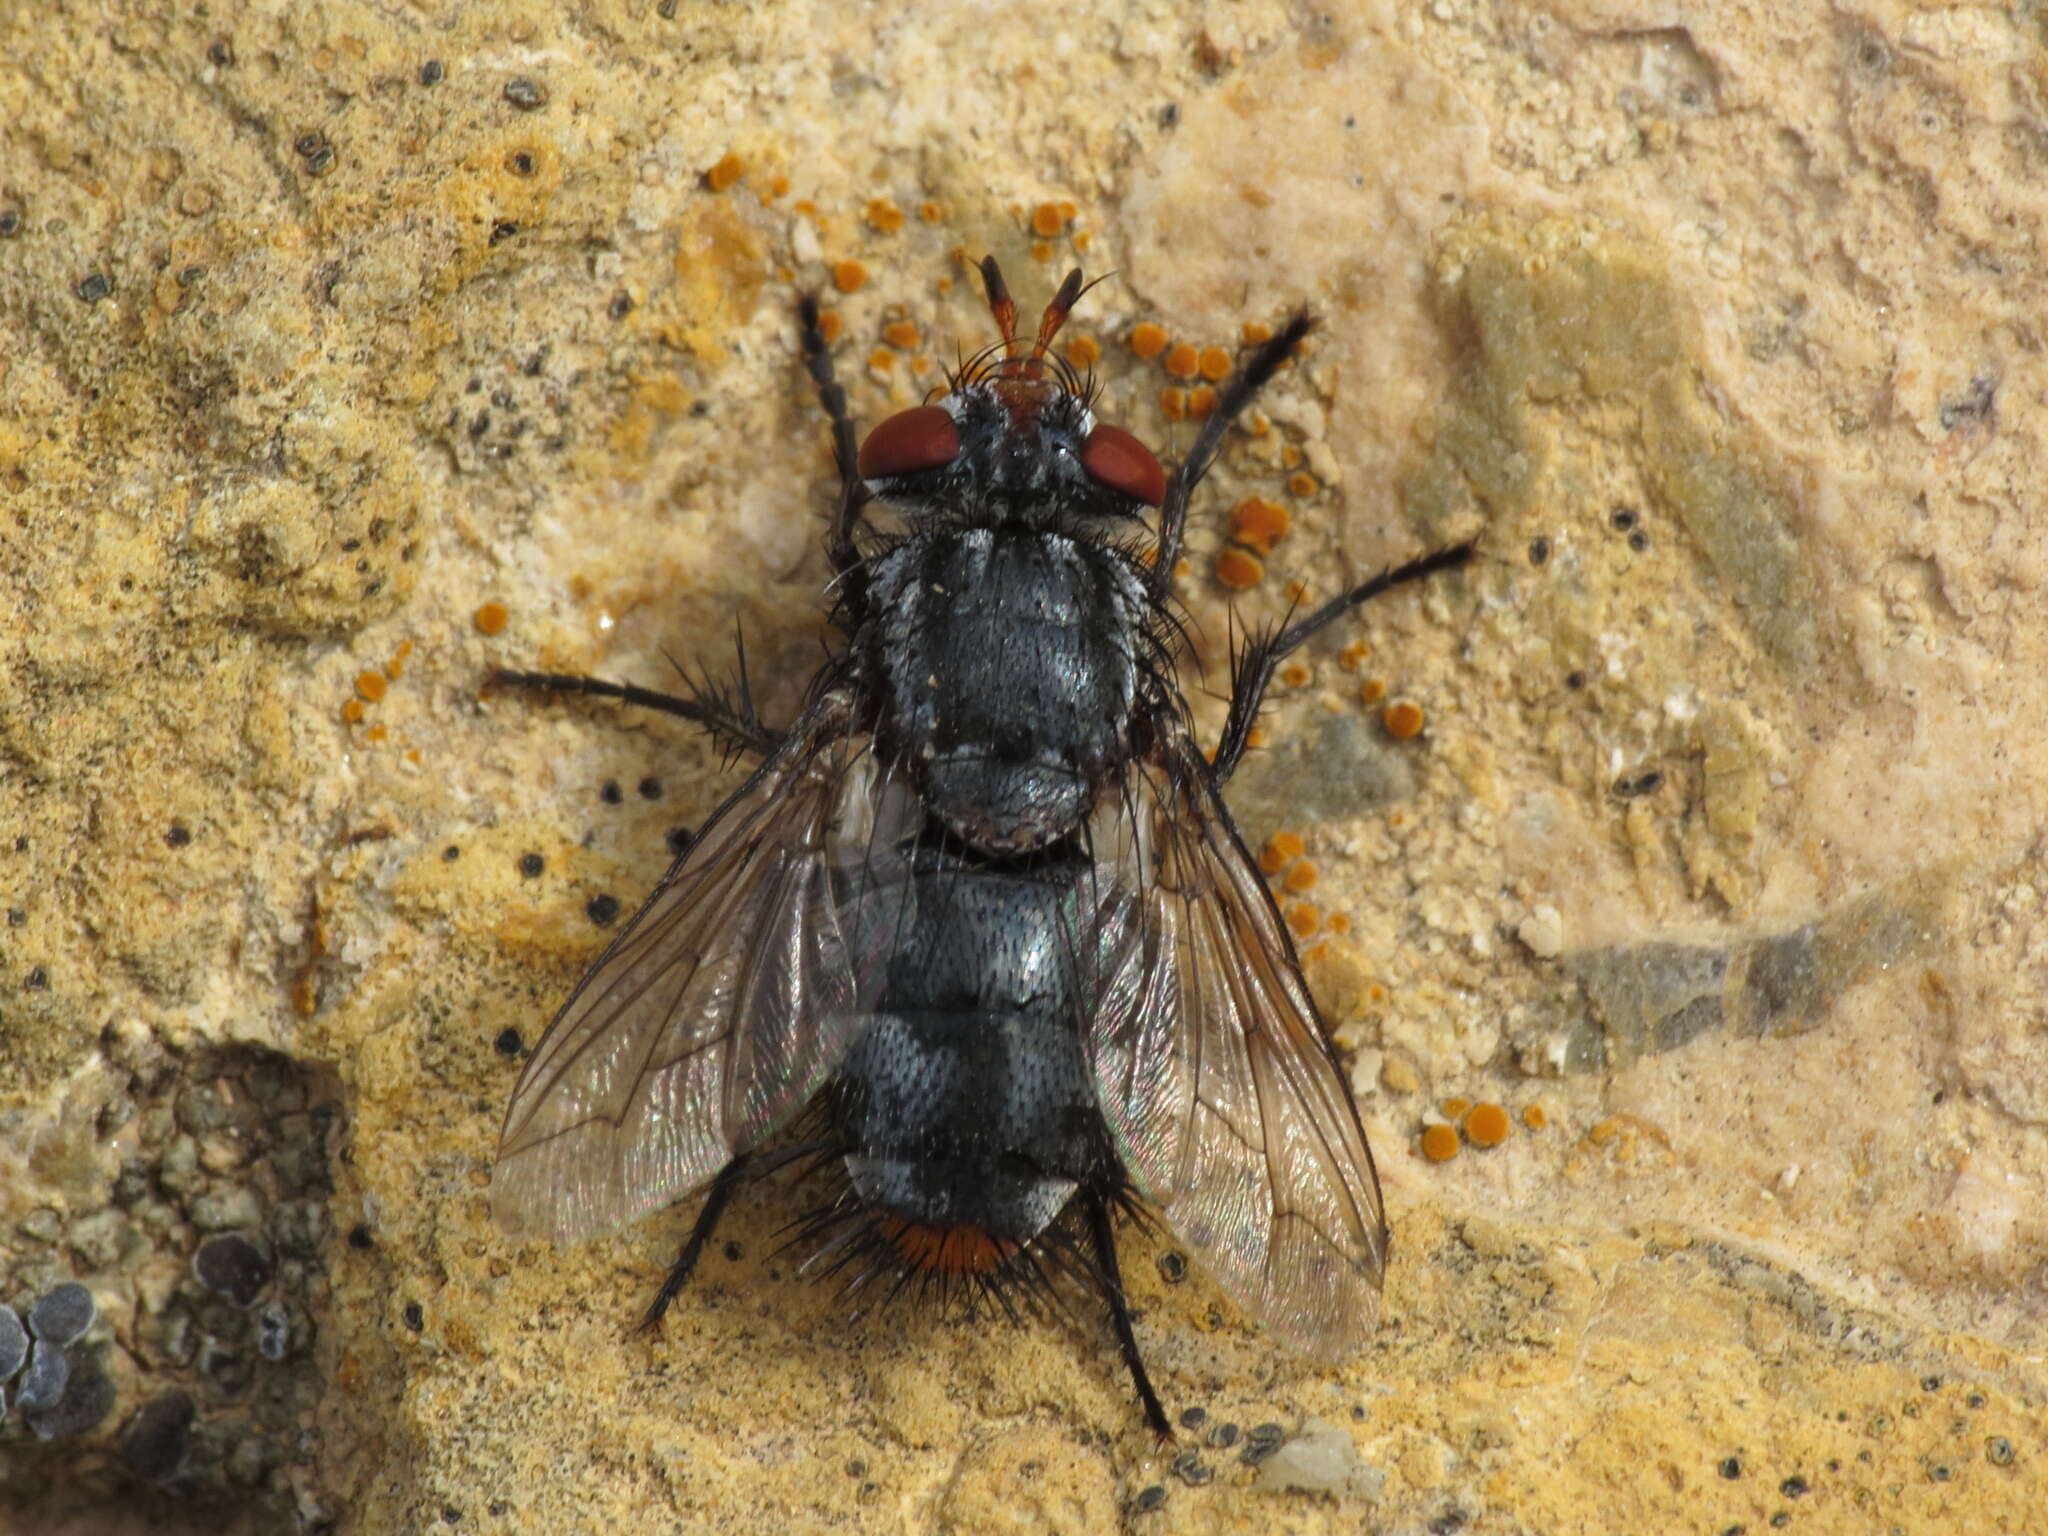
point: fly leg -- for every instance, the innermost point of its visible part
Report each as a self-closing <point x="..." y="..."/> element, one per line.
<point x="1111" y="1278"/>
<point x="679" y="1272"/>
<point x="727" y="712"/>
<point x="1254" y="376"/>
<point x="1253" y="667"/>
<point x="853" y="491"/>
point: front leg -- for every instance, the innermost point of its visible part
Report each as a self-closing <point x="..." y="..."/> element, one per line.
<point x="1253" y="667"/>
<point x="726" y="712"/>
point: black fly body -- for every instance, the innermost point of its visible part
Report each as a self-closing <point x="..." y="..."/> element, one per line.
<point x="979" y="918"/>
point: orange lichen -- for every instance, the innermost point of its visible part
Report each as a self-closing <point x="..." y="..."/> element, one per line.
<point x="1238" y="570"/>
<point x="1373" y="691"/>
<point x="1486" y="1125"/>
<point x="1301" y="483"/>
<point x="1183" y="361"/>
<point x="1352" y="654"/>
<point x="1607" y="1130"/>
<point x="1297" y="591"/>
<point x="1082" y="239"/>
<point x="882" y="360"/>
<point x="930" y="211"/>
<point x="1259" y="524"/>
<point x="1439" y="1143"/>
<point x="779" y="187"/>
<point x="1304" y="919"/>
<point x="1069" y="210"/>
<point x="1534" y="1116"/>
<point x="1255" y="332"/>
<point x="1148" y="340"/>
<point x="1257" y="423"/>
<point x="884" y="215"/>
<point x="1290" y="455"/>
<point x="1301" y="878"/>
<point x="1340" y="922"/>
<point x="848" y="276"/>
<point x="1173" y="400"/>
<point x="1084" y="351"/>
<point x="1281" y="849"/>
<point x="806" y="207"/>
<point x="1046" y="222"/>
<point x="1256" y="737"/>
<point x="491" y="618"/>
<point x="376" y="733"/>
<point x="829" y="325"/>
<point x="1402" y="719"/>
<point x="724" y="174"/>
<point x="352" y="711"/>
<point x="1295" y="674"/>
<point x="1452" y="1108"/>
<point x="901" y="334"/>
<point x="1215" y="364"/>
<point x="395" y="667"/>
<point x="1201" y="402"/>
<point x="1041" y="250"/>
<point x="371" y="685"/>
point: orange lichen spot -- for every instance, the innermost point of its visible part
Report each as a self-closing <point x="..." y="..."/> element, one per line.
<point x="882" y="360"/>
<point x="352" y="711"/>
<point x="1173" y="400"/>
<point x="1215" y="364"/>
<point x="1046" y="221"/>
<point x="395" y="667"/>
<point x="806" y="207"/>
<point x="372" y="685"/>
<point x="1256" y="333"/>
<point x="920" y="365"/>
<point x="1607" y="1130"/>
<point x="1352" y="655"/>
<point x="1439" y="1143"/>
<point x="1295" y="674"/>
<point x="1259" y="524"/>
<point x="1256" y="737"/>
<point x="730" y="169"/>
<point x="1302" y="483"/>
<point x="901" y="334"/>
<point x="829" y="325"/>
<point x="1534" y="1116"/>
<point x="1041" y="250"/>
<point x="848" y="276"/>
<point x="1376" y="995"/>
<point x="1258" y="423"/>
<point x="1487" y="1125"/>
<point x="1373" y="691"/>
<point x="305" y="994"/>
<point x="945" y="286"/>
<point x="412" y="755"/>
<point x="1340" y="922"/>
<point x="1304" y="919"/>
<point x="1290" y="455"/>
<point x="1069" y="210"/>
<point x="1083" y="239"/>
<point x="491" y="619"/>
<point x="1239" y="570"/>
<point x="1181" y="568"/>
<point x="779" y="187"/>
<point x="1314" y="953"/>
<point x="1301" y="878"/>
<point x="1452" y="1108"/>
<point x="1084" y="351"/>
<point x="1281" y="849"/>
<point x="884" y="215"/>
<point x="1402" y="719"/>
<point x="930" y="211"/>
<point x="1297" y="591"/>
<point x="1148" y="340"/>
<point x="376" y="733"/>
<point x="1201" y="402"/>
<point x="1183" y="361"/>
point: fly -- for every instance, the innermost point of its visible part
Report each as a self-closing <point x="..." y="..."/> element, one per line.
<point x="979" y="926"/>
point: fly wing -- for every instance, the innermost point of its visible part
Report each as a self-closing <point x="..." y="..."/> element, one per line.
<point x="1214" y="1073"/>
<point x="726" y="1002"/>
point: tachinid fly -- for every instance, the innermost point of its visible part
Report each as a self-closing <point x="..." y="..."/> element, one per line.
<point x="978" y="930"/>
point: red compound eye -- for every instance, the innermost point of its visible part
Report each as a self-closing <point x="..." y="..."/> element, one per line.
<point x="1122" y="463"/>
<point x="923" y="437"/>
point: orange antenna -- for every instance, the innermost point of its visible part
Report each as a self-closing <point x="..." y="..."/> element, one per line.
<point x="1055" y="316"/>
<point x="1000" y="304"/>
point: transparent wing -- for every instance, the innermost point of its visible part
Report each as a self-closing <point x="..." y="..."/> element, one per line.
<point x="726" y="1002"/>
<point x="1214" y="1072"/>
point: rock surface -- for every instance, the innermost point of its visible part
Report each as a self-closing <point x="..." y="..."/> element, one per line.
<point x="348" y="351"/>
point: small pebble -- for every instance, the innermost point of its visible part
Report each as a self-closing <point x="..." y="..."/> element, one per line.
<point x="1152" y="1497"/>
<point x="13" y="1342"/>
<point x="62" y="1314"/>
<point x="1193" y="1418"/>
<point x="232" y="1266"/>
<point x="1223" y="1436"/>
<point x="43" y="1383"/>
<point x="525" y="95"/>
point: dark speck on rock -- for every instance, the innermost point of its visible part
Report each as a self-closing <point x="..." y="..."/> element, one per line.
<point x="611" y="794"/>
<point x="230" y="1265"/>
<point x="1173" y="1267"/>
<point x="531" y="865"/>
<point x="360" y="1236"/>
<point x="1193" y="1418"/>
<point x="602" y="909"/>
<point x="1223" y="1436"/>
<point x="526" y="95"/>
<point x="431" y="72"/>
<point x="1152" y="1497"/>
<point x="650" y="789"/>
<point x="94" y="286"/>
<point x="509" y="1043"/>
<point x="415" y="1316"/>
<point x="62" y="1313"/>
